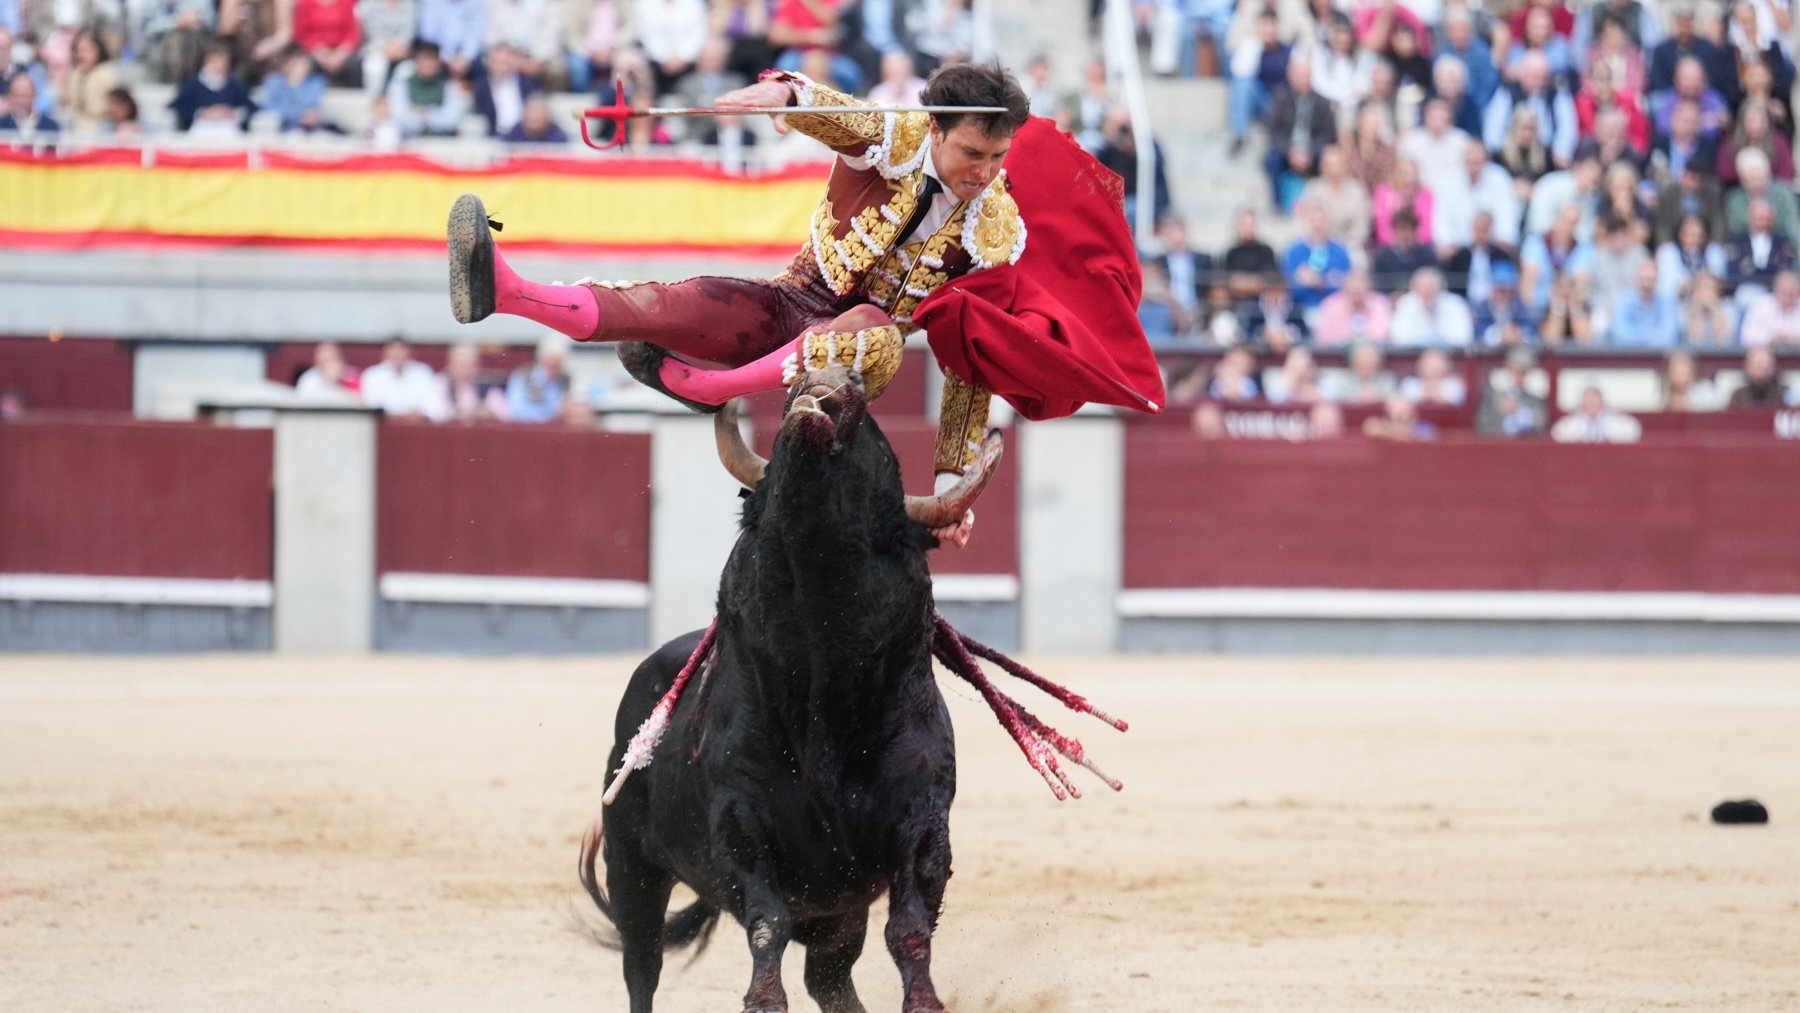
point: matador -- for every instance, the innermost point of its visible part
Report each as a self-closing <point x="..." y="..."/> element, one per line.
<point x="919" y="228"/>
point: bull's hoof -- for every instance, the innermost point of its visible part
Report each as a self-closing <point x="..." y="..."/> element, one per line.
<point x="644" y="362"/>
<point x="471" y="260"/>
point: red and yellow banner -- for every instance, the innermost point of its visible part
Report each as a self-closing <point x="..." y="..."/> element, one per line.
<point x="108" y="198"/>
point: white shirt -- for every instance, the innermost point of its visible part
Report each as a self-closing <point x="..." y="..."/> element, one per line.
<point x="1439" y="157"/>
<point x="413" y="389"/>
<point x="1607" y="427"/>
<point x="671" y="29"/>
<point x="943" y="203"/>
<point x="1455" y="205"/>
<point x="1446" y="323"/>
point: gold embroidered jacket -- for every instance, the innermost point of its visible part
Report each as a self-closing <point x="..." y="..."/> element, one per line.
<point x="855" y="235"/>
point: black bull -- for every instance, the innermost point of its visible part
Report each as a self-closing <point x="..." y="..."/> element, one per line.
<point x="811" y="766"/>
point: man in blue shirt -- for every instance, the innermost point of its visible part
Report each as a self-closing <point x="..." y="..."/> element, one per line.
<point x="1315" y="265"/>
<point x="1643" y="317"/>
<point x="456" y="26"/>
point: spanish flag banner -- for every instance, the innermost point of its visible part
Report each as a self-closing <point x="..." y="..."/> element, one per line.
<point x="120" y="197"/>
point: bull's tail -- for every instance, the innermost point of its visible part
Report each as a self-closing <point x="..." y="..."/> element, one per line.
<point x="691" y="925"/>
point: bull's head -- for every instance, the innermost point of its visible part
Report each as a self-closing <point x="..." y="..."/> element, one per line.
<point x="825" y="412"/>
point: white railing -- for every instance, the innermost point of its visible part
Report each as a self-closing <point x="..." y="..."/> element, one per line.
<point x="1119" y="38"/>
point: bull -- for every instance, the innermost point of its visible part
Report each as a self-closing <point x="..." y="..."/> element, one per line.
<point x="812" y="766"/>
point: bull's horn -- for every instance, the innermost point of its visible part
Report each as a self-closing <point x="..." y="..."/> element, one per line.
<point x="744" y="464"/>
<point x="948" y="507"/>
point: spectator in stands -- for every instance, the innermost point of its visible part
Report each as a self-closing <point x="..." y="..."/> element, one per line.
<point x="1523" y="154"/>
<point x="1577" y="186"/>
<point x="1638" y="24"/>
<point x="212" y="101"/>
<point x="1619" y="199"/>
<point x="1690" y="253"/>
<point x="253" y="28"/>
<point x="92" y="76"/>
<point x="1353" y="313"/>
<point x="1756" y="184"/>
<point x="746" y="25"/>
<point x="1480" y="189"/>
<point x="1450" y="84"/>
<point x="533" y="29"/>
<point x="1507" y="407"/>
<point x="1762" y="382"/>
<point x="1399" y="420"/>
<point x="1088" y="107"/>
<point x="458" y="29"/>
<point x="1565" y="318"/>
<point x="1294" y="24"/>
<point x="1690" y="86"/>
<point x="1540" y="40"/>
<point x="535" y="125"/>
<point x="501" y="89"/>
<point x="1693" y="194"/>
<point x="671" y="32"/>
<point x="1708" y="318"/>
<point x="1617" y="257"/>
<point x="1684" y="43"/>
<point x="1753" y="39"/>
<point x="294" y="92"/>
<point x="329" y="374"/>
<point x="1683" y="145"/>
<point x="329" y="31"/>
<point x="1755" y="255"/>
<point x="1614" y="119"/>
<point x="1773" y="318"/>
<point x="1433" y="382"/>
<point x="402" y="386"/>
<point x="1395" y="264"/>
<point x="1234" y="377"/>
<point x="1683" y="388"/>
<point x="1189" y="272"/>
<point x="1435" y="147"/>
<point x="1344" y="198"/>
<point x="944" y="32"/>
<point x="388" y="28"/>
<point x="1644" y="316"/>
<point x="1315" y="265"/>
<point x="1273" y="320"/>
<point x="1119" y="152"/>
<point x="1367" y="381"/>
<point x="1300" y="125"/>
<point x="1408" y="54"/>
<point x="423" y="97"/>
<point x="1341" y="71"/>
<point x="1298" y="381"/>
<point x="468" y="398"/>
<point x="1552" y="105"/>
<point x="535" y="393"/>
<point x="1369" y="154"/>
<point x="1428" y="315"/>
<point x="1759" y="88"/>
<point x="711" y="78"/>
<point x="175" y="34"/>
<point x="28" y="124"/>
<point x="1552" y="256"/>
<point x="121" y="123"/>
<point x="1403" y="191"/>
<point x="1258" y="70"/>
<point x="17" y="60"/>
<point x="1617" y="58"/>
<point x="1469" y="270"/>
<point x="382" y="132"/>
<point x="1157" y="312"/>
<point x="1502" y="320"/>
<point x="1040" y="90"/>
<point x="1753" y="133"/>
<point x="900" y="84"/>
<point x="1459" y="41"/>
<point x="595" y="32"/>
<point x="1594" y="422"/>
<point x="1250" y="265"/>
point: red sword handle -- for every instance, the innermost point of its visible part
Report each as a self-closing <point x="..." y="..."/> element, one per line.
<point x="618" y="113"/>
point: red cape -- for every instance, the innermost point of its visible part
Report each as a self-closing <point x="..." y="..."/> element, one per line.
<point x="1059" y="328"/>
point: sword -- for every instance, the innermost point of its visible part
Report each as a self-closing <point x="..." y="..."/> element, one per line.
<point x="619" y="112"/>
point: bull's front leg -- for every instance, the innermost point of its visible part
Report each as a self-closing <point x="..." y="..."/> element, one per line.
<point x="914" y="900"/>
<point x="769" y="925"/>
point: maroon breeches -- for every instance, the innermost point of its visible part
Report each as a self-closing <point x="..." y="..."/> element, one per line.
<point x="725" y="321"/>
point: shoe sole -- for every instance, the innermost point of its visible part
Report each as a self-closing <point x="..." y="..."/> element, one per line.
<point x="471" y="260"/>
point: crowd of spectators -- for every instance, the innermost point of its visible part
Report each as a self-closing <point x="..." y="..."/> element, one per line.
<point x="1464" y="174"/>
<point x="403" y="387"/>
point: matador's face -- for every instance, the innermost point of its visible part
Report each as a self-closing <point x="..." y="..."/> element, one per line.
<point x="966" y="158"/>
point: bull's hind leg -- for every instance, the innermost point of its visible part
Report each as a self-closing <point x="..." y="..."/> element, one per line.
<point x="914" y="900"/>
<point x="832" y="948"/>
<point x="640" y="902"/>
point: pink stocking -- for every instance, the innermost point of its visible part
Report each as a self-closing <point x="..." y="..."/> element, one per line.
<point x="571" y="309"/>
<point x="717" y="386"/>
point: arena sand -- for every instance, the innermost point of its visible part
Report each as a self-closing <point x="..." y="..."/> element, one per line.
<point x="399" y="833"/>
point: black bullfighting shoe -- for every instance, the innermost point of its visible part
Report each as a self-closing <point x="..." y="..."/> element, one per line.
<point x="644" y="362"/>
<point x="471" y="260"/>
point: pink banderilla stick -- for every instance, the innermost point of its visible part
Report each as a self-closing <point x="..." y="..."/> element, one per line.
<point x="643" y="744"/>
<point x="1039" y="754"/>
<point x="1069" y="698"/>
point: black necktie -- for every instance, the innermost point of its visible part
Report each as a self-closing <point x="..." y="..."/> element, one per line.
<point x="926" y="193"/>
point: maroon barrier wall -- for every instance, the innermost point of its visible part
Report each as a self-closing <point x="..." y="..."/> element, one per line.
<point x="514" y="501"/>
<point x="136" y="499"/>
<point x="80" y="374"/>
<point x="994" y="547"/>
<point x="1467" y="515"/>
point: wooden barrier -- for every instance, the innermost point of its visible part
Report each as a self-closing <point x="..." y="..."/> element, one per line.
<point x="67" y="374"/>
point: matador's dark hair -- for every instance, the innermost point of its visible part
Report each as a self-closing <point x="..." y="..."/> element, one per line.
<point x="978" y="84"/>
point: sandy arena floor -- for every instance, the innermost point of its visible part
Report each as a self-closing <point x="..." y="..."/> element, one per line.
<point x="226" y="833"/>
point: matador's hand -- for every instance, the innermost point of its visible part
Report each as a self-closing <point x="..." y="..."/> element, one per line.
<point x="957" y="534"/>
<point x="760" y="95"/>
